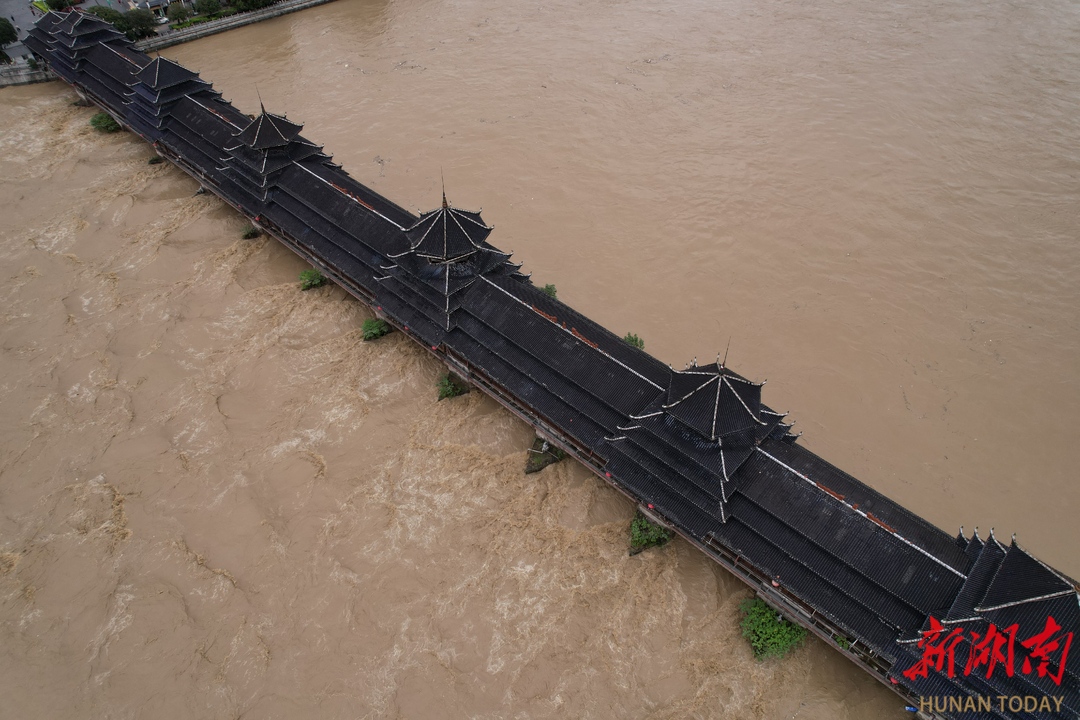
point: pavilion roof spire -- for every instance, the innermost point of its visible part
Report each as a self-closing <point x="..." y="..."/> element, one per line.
<point x="714" y="401"/>
<point x="448" y="235"/>
<point x="269" y="130"/>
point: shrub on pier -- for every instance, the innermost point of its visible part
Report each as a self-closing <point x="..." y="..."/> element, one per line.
<point x="541" y="454"/>
<point x="449" y="387"/>
<point x="770" y="635"/>
<point x="251" y="232"/>
<point x="549" y="289"/>
<point x="634" y="340"/>
<point x="646" y="534"/>
<point x="311" y="279"/>
<point x="104" y="122"/>
<point x="375" y="328"/>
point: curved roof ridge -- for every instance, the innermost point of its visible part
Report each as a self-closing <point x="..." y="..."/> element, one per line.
<point x="1022" y="578"/>
<point x="727" y="381"/>
<point x="466" y="213"/>
<point x="468" y="237"/>
<point x="463" y="234"/>
<point x="687" y="395"/>
<point x="709" y="410"/>
<point x="269" y="131"/>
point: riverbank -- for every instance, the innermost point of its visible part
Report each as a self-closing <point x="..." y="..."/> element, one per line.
<point x="228" y="23"/>
<point x="22" y="74"/>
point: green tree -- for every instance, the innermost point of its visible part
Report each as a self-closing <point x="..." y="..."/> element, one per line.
<point x="7" y="32"/>
<point x="207" y="7"/>
<point x="245" y="5"/>
<point x="177" y="12"/>
<point x="108" y="15"/>
<point x="634" y="340"/>
<point x="139" y="24"/>
<point x="7" y="35"/>
<point x="59" y="5"/>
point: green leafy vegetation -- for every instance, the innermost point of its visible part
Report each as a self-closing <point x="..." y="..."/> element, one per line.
<point x="549" y="289"/>
<point x="59" y="5"/>
<point x="375" y="328"/>
<point x="770" y="635"/>
<point x="206" y="10"/>
<point x="251" y="232"/>
<point x="199" y="19"/>
<point x="450" y="386"/>
<point x="139" y="24"/>
<point x="156" y="160"/>
<point x="541" y="454"/>
<point x="245" y="5"/>
<point x="107" y="14"/>
<point x="192" y="22"/>
<point x="646" y="534"/>
<point x="842" y="641"/>
<point x="177" y="12"/>
<point x="136" y="24"/>
<point x="634" y="340"/>
<point x="7" y="36"/>
<point x="311" y="279"/>
<point x="104" y="123"/>
<point x="31" y="63"/>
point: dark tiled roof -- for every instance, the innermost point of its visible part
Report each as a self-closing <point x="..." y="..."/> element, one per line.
<point x="163" y="73"/>
<point x="1022" y="579"/>
<point x="447" y="234"/>
<point x="978" y="580"/>
<point x="713" y="402"/>
<point x="268" y="131"/>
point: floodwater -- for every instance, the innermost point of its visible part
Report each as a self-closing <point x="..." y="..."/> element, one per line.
<point x="217" y="501"/>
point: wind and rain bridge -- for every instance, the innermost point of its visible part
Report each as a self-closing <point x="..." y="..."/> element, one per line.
<point x="978" y="626"/>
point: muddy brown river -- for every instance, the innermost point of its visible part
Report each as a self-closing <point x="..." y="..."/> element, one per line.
<point x="216" y="501"/>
